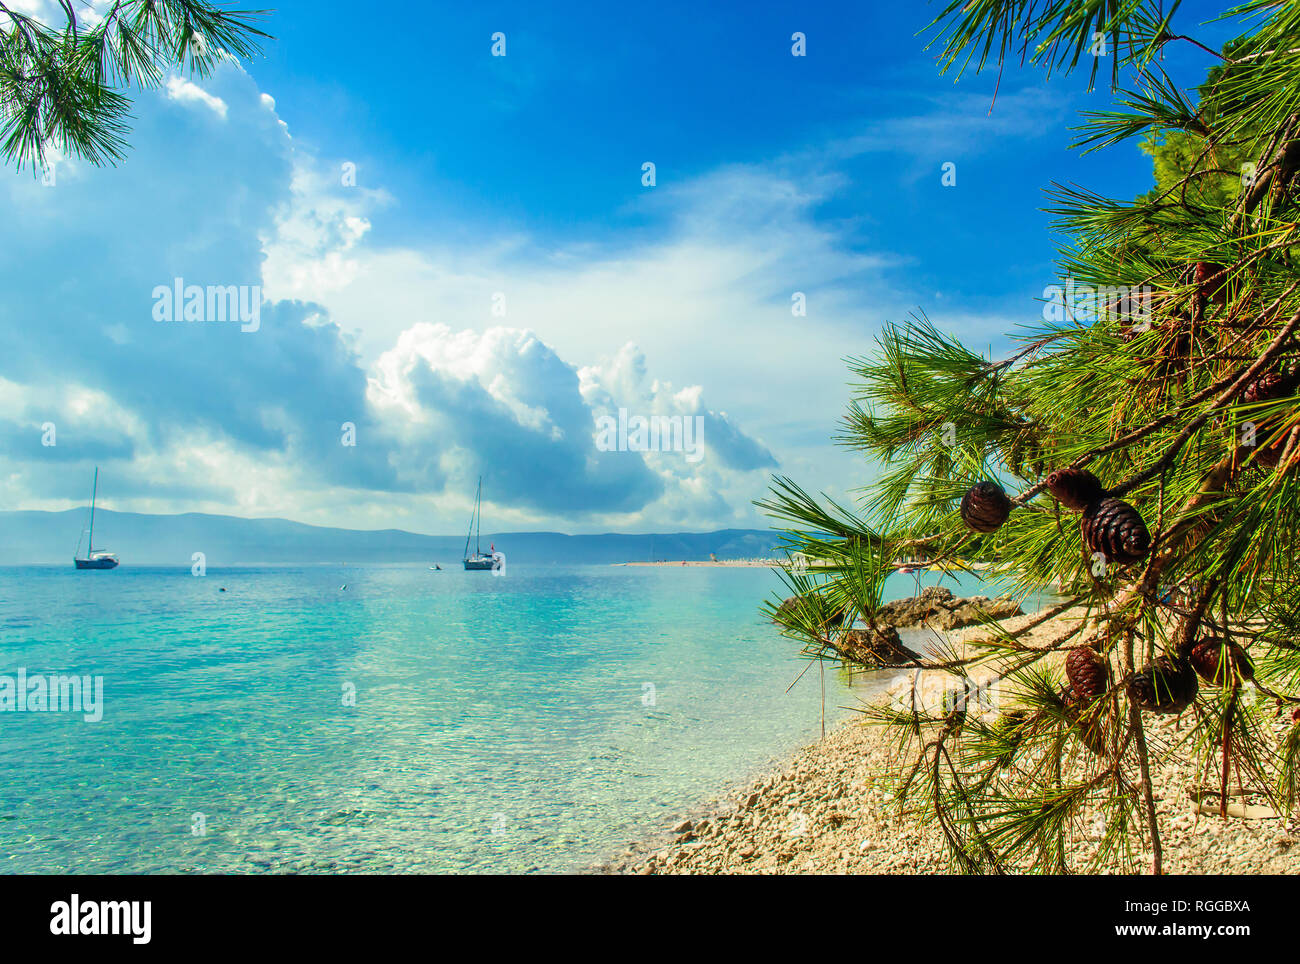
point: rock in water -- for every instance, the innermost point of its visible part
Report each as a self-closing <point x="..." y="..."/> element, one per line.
<point x="882" y="647"/>
<point x="939" y="608"/>
<point x="812" y="607"/>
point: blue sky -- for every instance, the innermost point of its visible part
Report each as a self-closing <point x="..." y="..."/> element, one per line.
<point x="520" y="178"/>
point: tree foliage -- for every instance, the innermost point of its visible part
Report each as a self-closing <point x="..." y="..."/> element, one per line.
<point x="1169" y="369"/>
<point x="61" y="86"/>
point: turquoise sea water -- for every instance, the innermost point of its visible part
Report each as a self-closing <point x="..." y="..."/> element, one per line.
<point x="536" y="721"/>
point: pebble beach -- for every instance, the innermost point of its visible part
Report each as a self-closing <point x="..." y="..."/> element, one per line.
<point x="826" y="810"/>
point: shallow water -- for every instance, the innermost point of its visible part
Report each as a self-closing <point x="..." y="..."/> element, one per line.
<point x="533" y="722"/>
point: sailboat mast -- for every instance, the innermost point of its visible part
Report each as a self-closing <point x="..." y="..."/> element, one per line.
<point x="474" y="521"/>
<point x="90" y="544"/>
<point x="478" y="515"/>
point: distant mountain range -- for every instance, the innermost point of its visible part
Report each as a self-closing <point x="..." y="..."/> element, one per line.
<point x="157" y="540"/>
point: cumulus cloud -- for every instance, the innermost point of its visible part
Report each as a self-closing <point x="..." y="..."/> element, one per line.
<point x="201" y="416"/>
<point x="102" y="242"/>
<point x="624" y="382"/>
<point x="310" y="250"/>
<point x="187" y="92"/>
<point x="687" y="316"/>
<point x="502" y="404"/>
<point x="707" y="296"/>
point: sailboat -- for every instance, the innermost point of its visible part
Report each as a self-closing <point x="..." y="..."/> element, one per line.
<point x="480" y="559"/>
<point x="95" y="558"/>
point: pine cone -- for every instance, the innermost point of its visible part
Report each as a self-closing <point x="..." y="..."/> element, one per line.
<point x="1088" y="722"/>
<point x="1165" y="686"/>
<point x="985" y="507"/>
<point x="1009" y="729"/>
<point x="1211" y="282"/>
<point x="1172" y="351"/>
<point x="1267" y="387"/>
<point x="1275" y="385"/>
<point x="1088" y="673"/>
<point x="1212" y="657"/>
<point x="1114" y="528"/>
<point x="1076" y="489"/>
<point x="1175" y="351"/>
<point x="1268" y="456"/>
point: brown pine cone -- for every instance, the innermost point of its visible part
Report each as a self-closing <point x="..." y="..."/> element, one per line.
<point x="1009" y="728"/>
<point x="1269" y="455"/>
<point x="1165" y="686"/>
<point x="1211" y="281"/>
<point x="1088" y="673"/>
<point x="1267" y="387"/>
<point x="1114" y="528"/>
<point x="1217" y="662"/>
<point x="1089" y="725"/>
<point x="1076" y="489"/>
<point x="985" y="507"/>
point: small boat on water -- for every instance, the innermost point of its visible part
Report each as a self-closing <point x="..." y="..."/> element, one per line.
<point x="479" y="559"/>
<point x="94" y="558"/>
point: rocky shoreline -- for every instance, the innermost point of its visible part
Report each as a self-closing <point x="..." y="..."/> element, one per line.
<point x="937" y="607"/>
<point x="825" y="811"/>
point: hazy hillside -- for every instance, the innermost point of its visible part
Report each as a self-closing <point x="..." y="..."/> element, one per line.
<point x="51" y="537"/>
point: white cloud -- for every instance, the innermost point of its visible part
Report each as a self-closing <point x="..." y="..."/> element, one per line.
<point x="708" y="298"/>
<point x="504" y="404"/>
<point x="693" y="318"/>
<point x="309" y="254"/>
<point x="187" y="92"/>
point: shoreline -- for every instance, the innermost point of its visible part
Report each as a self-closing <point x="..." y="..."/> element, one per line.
<point x="713" y="563"/>
<point x="824" y="810"/>
<point x="903" y="568"/>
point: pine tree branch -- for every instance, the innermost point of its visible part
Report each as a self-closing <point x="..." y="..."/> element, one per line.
<point x="1280" y="164"/>
<point x="1138" y="730"/>
<point x="1228" y="395"/>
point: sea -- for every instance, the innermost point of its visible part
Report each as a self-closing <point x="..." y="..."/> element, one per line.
<point x="391" y="719"/>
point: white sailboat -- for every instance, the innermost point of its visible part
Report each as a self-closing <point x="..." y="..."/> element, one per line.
<point x="479" y="559"/>
<point x="94" y="558"/>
